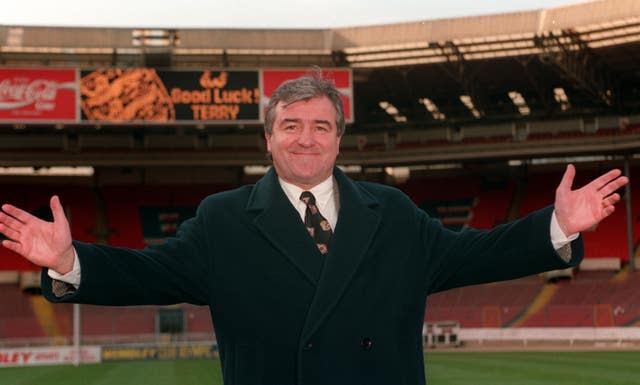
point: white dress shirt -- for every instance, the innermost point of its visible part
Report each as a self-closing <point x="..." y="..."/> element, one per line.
<point x="326" y="199"/>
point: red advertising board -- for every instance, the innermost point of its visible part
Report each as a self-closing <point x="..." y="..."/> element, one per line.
<point x="40" y="95"/>
<point x="272" y="78"/>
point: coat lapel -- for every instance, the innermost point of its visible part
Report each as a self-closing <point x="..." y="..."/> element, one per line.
<point x="280" y="223"/>
<point x="357" y="224"/>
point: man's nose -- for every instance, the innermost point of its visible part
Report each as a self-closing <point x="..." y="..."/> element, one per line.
<point x="306" y="137"/>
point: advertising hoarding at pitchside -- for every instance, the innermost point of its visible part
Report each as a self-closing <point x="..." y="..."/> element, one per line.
<point x="50" y="355"/>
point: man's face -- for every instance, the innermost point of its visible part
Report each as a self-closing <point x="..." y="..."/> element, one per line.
<point x="304" y="142"/>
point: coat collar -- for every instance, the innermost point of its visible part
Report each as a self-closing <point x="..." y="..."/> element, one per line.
<point x="268" y="189"/>
<point x="358" y="221"/>
<point x="280" y="223"/>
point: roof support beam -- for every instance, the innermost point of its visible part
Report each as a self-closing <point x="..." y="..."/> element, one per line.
<point x="573" y="58"/>
<point x="456" y="67"/>
<point x="538" y="83"/>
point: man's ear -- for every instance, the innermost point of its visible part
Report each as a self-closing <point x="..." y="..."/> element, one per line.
<point x="267" y="138"/>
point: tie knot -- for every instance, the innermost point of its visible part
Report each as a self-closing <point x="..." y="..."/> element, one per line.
<point x="308" y="198"/>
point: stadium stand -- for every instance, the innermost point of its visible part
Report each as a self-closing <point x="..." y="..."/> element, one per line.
<point x="78" y="201"/>
<point x="607" y="242"/>
<point x="198" y="320"/>
<point x="17" y="318"/>
<point x="110" y="324"/>
<point x="126" y="229"/>
<point x="476" y="306"/>
<point x="589" y="299"/>
<point x="453" y="205"/>
<point x="597" y="299"/>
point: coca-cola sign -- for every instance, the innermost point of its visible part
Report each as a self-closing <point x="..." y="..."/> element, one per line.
<point x="28" y="95"/>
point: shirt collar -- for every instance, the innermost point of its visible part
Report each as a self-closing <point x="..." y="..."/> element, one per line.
<point x="322" y="191"/>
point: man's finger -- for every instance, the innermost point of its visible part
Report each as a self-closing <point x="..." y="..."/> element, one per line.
<point x="567" y="178"/>
<point x="9" y="232"/>
<point x="10" y="221"/>
<point x="611" y="200"/>
<point x="608" y="211"/>
<point x="604" y="179"/>
<point x="57" y="210"/>
<point x="17" y="213"/>
<point x="12" y="245"/>
<point x="614" y="185"/>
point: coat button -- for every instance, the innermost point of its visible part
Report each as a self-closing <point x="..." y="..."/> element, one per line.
<point x="366" y="343"/>
<point x="308" y="346"/>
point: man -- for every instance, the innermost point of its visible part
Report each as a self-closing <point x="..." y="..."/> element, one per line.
<point x="311" y="278"/>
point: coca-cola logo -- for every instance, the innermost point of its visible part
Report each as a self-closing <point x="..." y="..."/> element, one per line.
<point x="20" y="92"/>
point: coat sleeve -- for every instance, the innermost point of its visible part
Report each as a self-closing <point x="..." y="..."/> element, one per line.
<point x="508" y="251"/>
<point x="172" y="272"/>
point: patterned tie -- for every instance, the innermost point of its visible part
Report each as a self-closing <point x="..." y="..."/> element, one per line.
<point x="317" y="226"/>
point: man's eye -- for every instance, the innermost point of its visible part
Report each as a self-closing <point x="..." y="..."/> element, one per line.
<point x="290" y="127"/>
<point x="322" y="128"/>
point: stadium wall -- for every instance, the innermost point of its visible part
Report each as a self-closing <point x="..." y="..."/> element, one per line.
<point x="614" y="338"/>
<point x="597" y="337"/>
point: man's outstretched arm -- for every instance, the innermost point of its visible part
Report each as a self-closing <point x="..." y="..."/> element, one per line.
<point x="526" y="246"/>
<point x="176" y="271"/>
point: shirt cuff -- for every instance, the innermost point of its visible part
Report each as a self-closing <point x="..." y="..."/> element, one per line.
<point x="558" y="237"/>
<point x="72" y="277"/>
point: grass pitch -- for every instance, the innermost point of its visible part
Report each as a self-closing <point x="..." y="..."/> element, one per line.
<point x="534" y="368"/>
<point x="443" y="368"/>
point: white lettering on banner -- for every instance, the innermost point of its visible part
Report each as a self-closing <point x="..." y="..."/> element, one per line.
<point x="48" y="356"/>
<point x="16" y="93"/>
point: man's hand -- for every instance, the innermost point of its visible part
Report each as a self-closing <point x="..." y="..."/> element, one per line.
<point x="578" y="210"/>
<point x="46" y="244"/>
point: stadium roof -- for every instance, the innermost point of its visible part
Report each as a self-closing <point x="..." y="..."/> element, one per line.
<point x="573" y="63"/>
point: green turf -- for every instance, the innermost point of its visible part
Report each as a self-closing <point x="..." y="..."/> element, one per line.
<point x="197" y="372"/>
<point x="443" y="368"/>
<point x="533" y="368"/>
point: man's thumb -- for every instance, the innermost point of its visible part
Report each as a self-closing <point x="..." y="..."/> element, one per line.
<point x="567" y="178"/>
<point x="57" y="210"/>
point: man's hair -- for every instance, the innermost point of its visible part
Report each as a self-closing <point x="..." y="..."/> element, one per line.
<point x="305" y="88"/>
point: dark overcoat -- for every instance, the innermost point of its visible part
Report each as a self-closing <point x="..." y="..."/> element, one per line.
<point x="285" y="314"/>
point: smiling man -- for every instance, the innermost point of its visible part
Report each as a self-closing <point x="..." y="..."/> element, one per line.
<point x="311" y="278"/>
